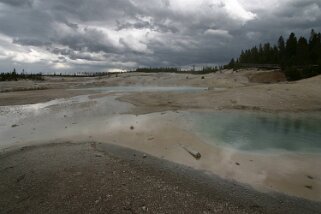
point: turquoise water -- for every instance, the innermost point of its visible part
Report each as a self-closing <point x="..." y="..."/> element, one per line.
<point x="261" y="131"/>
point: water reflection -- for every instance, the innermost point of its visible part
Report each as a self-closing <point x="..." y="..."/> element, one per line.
<point x="261" y="131"/>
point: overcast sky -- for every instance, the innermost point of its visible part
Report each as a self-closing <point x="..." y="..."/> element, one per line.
<point x="108" y="35"/>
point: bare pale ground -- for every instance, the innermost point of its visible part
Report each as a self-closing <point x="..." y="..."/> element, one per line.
<point x="166" y="136"/>
<point x="227" y="90"/>
<point x="234" y="92"/>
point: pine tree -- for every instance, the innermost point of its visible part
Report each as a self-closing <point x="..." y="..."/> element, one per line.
<point x="290" y="49"/>
<point x="315" y="48"/>
<point x="302" y="52"/>
<point x="281" y="49"/>
<point x="298" y="58"/>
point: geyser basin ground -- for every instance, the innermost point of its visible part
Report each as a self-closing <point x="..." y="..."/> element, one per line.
<point x="138" y="88"/>
<point x="103" y="178"/>
<point x="267" y="166"/>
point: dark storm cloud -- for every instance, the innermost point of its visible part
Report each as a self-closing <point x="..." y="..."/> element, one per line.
<point x="74" y="55"/>
<point x="17" y="3"/>
<point x="97" y="35"/>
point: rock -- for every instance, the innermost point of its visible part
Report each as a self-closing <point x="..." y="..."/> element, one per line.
<point x="144" y="208"/>
<point x="144" y="156"/>
<point x="237" y="163"/>
<point x="127" y="206"/>
<point x="20" y="178"/>
<point x="308" y="187"/>
<point x="98" y="200"/>
<point x="7" y="168"/>
<point x="14" y="125"/>
<point x="132" y="128"/>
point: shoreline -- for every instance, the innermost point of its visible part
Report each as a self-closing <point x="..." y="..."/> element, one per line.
<point x="209" y="193"/>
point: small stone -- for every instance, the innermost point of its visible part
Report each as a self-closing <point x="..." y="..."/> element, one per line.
<point x="14" y="125"/>
<point x="144" y="208"/>
<point x="308" y="187"/>
<point x="127" y="205"/>
<point x="237" y="163"/>
<point x="144" y="156"/>
<point x="20" y="178"/>
<point x="132" y="128"/>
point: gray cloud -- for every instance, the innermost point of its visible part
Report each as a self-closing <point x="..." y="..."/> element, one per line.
<point x="17" y="3"/>
<point x="97" y="35"/>
<point x="30" y="42"/>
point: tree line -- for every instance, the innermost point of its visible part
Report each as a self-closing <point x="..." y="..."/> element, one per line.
<point x="14" y="76"/>
<point x="204" y="70"/>
<point x="297" y="57"/>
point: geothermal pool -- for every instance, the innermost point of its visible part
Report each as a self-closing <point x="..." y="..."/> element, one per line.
<point x="252" y="131"/>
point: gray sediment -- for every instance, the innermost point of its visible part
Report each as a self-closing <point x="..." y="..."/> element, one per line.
<point x="104" y="178"/>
